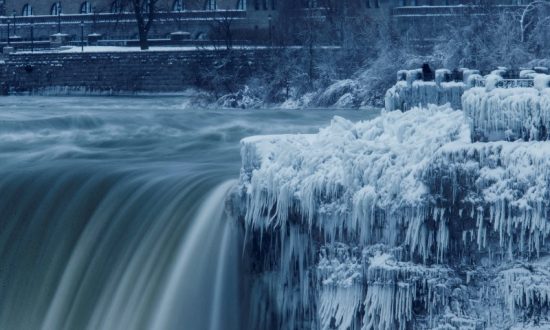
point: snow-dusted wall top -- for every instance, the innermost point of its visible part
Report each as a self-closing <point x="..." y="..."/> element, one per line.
<point x="414" y="89"/>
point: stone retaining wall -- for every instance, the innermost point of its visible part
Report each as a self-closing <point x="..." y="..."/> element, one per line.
<point x="119" y="73"/>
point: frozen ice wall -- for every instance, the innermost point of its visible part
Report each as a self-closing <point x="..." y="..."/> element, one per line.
<point x="400" y="222"/>
<point x="510" y="113"/>
<point x="412" y="91"/>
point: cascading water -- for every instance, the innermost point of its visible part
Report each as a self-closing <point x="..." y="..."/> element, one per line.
<point x="112" y="212"/>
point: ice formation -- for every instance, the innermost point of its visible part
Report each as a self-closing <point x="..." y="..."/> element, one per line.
<point x="401" y="222"/>
<point x="411" y="91"/>
<point x="509" y="113"/>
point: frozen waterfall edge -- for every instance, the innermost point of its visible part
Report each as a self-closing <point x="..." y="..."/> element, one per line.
<point x="396" y="223"/>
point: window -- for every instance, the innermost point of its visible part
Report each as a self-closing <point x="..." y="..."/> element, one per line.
<point x="210" y="5"/>
<point x="145" y="6"/>
<point x="27" y="10"/>
<point x="56" y="9"/>
<point x="86" y="7"/>
<point x="178" y="6"/>
<point x="241" y="4"/>
<point x="376" y="4"/>
<point x="367" y="3"/>
<point x="116" y="7"/>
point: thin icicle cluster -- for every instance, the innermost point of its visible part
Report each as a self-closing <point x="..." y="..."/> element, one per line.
<point x="394" y="288"/>
<point x="498" y="189"/>
<point x="526" y="290"/>
<point x="340" y="272"/>
<point x="508" y="114"/>
<point x="339" y="306"/>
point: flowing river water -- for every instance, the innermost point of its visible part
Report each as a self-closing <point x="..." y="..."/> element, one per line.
<point x="112" y="211"/>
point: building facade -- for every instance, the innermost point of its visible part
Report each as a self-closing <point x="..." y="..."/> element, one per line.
<point x="249" y="19"/>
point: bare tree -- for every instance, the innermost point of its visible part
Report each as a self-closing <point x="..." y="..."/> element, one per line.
<point x="221" y="28"/>
<point x="145" y="11"/>
<point x="527" y="18"/>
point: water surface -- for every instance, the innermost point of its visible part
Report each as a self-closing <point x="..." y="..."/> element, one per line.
<point x="111" y="210"/>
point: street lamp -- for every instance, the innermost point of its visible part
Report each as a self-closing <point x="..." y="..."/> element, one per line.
<point x="14" y="25"/>
<point x="270" y="32"/>
<point x="94" y="18"/>
<point x="58" y="20"/>
<point x="8" y="32"/>
<point x="32" y="36"/>
<point x="82" y="35"/>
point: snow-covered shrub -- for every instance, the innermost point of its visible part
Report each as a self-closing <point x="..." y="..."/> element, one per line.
<point x="243" y="99"/>
<point x="340" y="93"/>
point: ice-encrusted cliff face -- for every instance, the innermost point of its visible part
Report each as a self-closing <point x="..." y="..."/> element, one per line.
<point x="508" y="114"/>
<point x="401" y="222"/>
<point x="414" y="90"/>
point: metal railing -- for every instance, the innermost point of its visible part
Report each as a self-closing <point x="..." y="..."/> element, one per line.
<point x="452" y="10"/>
<point x="121" y="17"/>
<point x="515" y="83"/>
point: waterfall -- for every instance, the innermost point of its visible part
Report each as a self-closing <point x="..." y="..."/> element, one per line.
<point x="94" y="251"/>
<point x="196" y="294"/>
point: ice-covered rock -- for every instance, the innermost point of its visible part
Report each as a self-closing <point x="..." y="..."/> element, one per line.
<point x="509" y="113"/>
<point x="394" y="288"/>
<point x="349" y="179"/>
<point x="495" y="194"/>
<point x="527" y="292"/>
<point x="401" y="222"/>
<point x="412" y="91"/>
